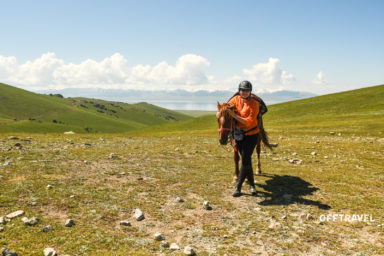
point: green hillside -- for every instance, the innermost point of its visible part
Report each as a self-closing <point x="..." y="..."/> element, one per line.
<point x="357" y="112"/>
<point x="24" y="111"/>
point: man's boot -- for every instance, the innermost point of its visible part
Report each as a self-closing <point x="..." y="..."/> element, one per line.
<point x="249" y="172"/>
<point x="240" y="181"/>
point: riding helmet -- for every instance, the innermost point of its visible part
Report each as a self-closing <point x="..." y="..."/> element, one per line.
<point x="245" y="85"/>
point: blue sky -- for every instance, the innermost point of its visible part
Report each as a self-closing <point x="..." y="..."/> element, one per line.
<point x="314" y="46"/>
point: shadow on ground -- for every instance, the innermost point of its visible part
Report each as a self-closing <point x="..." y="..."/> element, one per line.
<point x="285" y="190"/>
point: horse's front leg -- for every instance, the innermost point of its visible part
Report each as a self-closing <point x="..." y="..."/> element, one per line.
<point x="236" y="158"/>
<point x="258" y="149"/>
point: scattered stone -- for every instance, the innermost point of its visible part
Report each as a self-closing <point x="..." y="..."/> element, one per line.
<point x="15" y="214"/>
<point x="125" y="223"/>
<point x="1" y="229"/>
<point x="225" y="236"/>
<point x="309" y="217"/>
<point x="122" y="173"/>
<point x="331" y="133"/>
<point x="274" y="225"/>
<point x="70" y="132"/>
<point x="112" y="156"/>
<point x="13" y="138"/>
<point x="325" y="157"/>
<point x="174" y="247"/>
<point x="339" y="134"/>
<point x="381" y="140"/>
<point x="164" y="244"/>
<point x="159" y="236"/>
<point x="274" y="144"/>
<point x="85" y="162"/>
<point x="294" y="154"/>
<point x="139" y="216"/>
<point x="47" y="228"/>
<point x="7" y="163"/>
<point x="179" y="200"/>
<point x="50" y="252"/>
<point x="7" y="252"/>
<point x="207" y="206"/>
<point x="30" y="222"/>
<point x="3" y="221"/>
<point x="18" y="145"/>
<point x="317" y="141"/>
<point x="189" y="251"/>
<point x="177" y="149"/>
<point x="32" y="203"/>
<point x="72" y="196"/>
<point x="88" y="145"/>
<point x="49" y="186"/>
<point x="69" y="223"/>
<point x="140" y="178"/>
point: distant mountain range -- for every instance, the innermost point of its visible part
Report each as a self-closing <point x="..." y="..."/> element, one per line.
<point x="132" y="96"/>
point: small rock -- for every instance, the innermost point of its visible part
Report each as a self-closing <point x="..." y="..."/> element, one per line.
<point x="325" y="157"/>
<point x="331" y="133"/>
<point x="164" y="244"/>
<point x="47" y="228"/>
<point x="206" y="205"/>
<point x="88" y="145"/>
<point x="273" y="144"/>
<point x="159" y="237"/>
<point x="7" y="163"/>
<point x="317" y="141"/>
<point x="122" y="173"/>
<point x="69" y="223"/>
<point x="50" y="252"/>
<point x="125" y="223"/>
<point x="189" y="251"/>
<point x="339" y="134"/>
<point x="7" y="252"/>
<point x="139" y="216"/>
<point x="294" y="154"/>
<point x="225" y="236"/>
<point x="15" y="214"/>
<point x="112" y="156"/>
<point x="1" y="229"/>
<point x="85" y="162"/>
<point x="72" y="196"/>
<point x="313" y="153"/>
<point x="309" y="217"/>
<point x="179" y="200"/>
<point x="274" y="225"/>
<point x="32" y="203"/>
<point x="32" y="221"/>
<point x="13" y="138"/>
<point x="174" y="247"/>
<point x="70" y="132"/>
<point x="49" y="186"/>
<point x="3" y="221"/>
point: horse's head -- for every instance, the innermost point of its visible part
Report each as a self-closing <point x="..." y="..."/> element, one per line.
<point x="225" y="121"/>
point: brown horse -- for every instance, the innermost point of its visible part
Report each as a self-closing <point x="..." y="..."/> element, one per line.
<point x="227" y="126"/>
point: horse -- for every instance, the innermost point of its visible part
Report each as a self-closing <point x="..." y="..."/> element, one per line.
<point x="227" y="126"/>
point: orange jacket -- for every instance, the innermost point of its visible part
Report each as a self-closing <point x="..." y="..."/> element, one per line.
<point x="248" y="110"/>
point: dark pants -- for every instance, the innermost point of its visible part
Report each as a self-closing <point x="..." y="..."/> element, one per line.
<point x="246" y="148"/>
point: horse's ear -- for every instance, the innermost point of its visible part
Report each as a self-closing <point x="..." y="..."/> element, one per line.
<point x="218" y="106"/>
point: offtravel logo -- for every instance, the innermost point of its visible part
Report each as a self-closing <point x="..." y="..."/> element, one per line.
<point x="347" y="217"/>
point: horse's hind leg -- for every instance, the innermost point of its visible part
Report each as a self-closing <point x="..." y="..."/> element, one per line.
<point x="236" y="157"/>
<point x="258" y="149"/>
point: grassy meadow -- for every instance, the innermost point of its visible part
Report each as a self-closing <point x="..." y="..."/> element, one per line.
<point x="338" y="137"/>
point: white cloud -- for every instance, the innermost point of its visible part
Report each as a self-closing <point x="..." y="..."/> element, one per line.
<point x="269" y="76"/>
<point x="320" y="79"/>
<point x="50" y="72"/>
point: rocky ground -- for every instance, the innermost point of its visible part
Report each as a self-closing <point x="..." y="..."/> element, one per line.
<point x="171" y="195"/>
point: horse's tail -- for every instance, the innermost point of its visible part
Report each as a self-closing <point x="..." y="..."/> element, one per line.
<point x="264" y="136"/>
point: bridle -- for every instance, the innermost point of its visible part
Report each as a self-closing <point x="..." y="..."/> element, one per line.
<point x="231" y="128"/>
